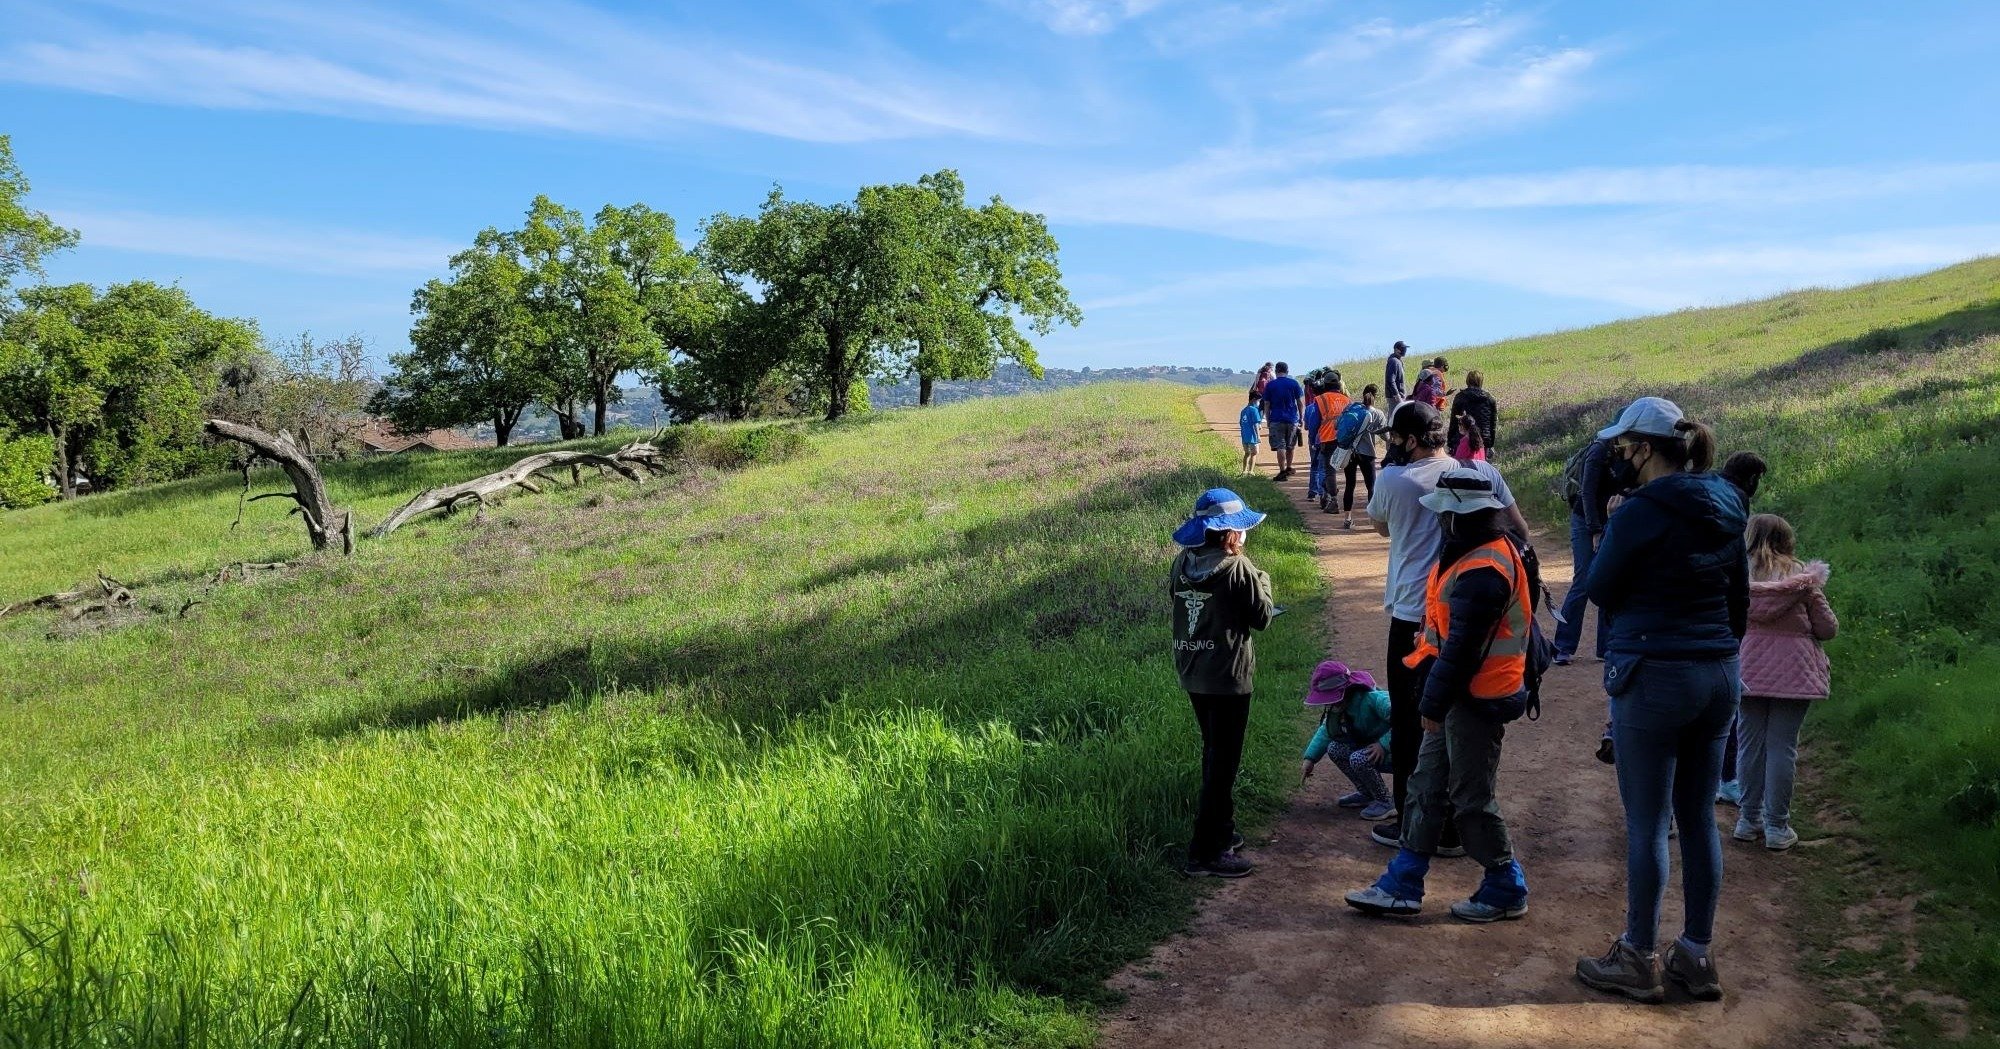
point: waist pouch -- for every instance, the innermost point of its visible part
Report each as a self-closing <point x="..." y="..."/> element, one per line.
<point x="1501" y="711"/>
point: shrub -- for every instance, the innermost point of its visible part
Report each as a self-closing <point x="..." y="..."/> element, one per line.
<point x="24" y="461"/>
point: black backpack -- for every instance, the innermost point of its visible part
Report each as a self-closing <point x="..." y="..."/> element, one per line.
<point x="1569" y="483"/>
<point x="1541" y="651"/>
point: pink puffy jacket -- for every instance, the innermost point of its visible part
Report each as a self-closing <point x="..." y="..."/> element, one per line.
<point x="1789" y="618"/>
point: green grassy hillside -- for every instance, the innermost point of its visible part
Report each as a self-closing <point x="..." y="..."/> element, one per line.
<point x="876" y="746"/>
<point x="1879" y="409"/>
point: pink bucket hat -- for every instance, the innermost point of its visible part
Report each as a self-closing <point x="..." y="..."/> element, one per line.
<point x="1332" y="679"/>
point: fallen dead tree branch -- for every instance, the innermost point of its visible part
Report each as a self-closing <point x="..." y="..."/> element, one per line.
<point x="75" y="604"/>
<point x="523" y="474"/>
<point x="324" y="521"/>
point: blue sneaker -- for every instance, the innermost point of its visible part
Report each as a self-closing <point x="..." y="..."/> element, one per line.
<point x="1352" y="800"/>
<point x="1485" y="913"/>
<point x="1730" y="793"/>
<point x="1378" y="811"/>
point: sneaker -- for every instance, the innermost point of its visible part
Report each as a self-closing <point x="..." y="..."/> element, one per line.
<point x="1389" y="835"/>
<point x="1564" y="659"/>
<point x="1623" y="970"/>
<point x="1235" y="842"/>
<point x="1372" y="900"/>
<point x="1606" y="752"/>
<point x="1730" y="793"/>
<point x="1352" y="800"/>
<point x="1227" y="865"/>
<point x="1377" y="811"/>
<point x="1747" y="831"/>
<point x="1778" y="839"/>
<point x="1485" y="913"/>
<point x="1694" y="975"/>
<point x="1348" y="524"/>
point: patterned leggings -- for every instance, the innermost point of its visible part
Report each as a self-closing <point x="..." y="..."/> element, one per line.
<point x="1366" y="775"/>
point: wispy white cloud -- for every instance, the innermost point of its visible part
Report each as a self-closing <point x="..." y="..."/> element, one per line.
<point x="268" y="244"/>
<point x="555" y="66"/>
<point x="1083" y="17"/>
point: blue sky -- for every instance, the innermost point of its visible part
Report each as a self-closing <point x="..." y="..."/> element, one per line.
<point x="1232" y="182"/>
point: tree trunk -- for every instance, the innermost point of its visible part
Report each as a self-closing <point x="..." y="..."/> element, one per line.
<point x="503" y="428"/>
<point x="836" y="375"/>
<point x="65" y="465"/>
<point x="523" y="475"/>
<point x="325" y="523"/>
<point x="924" y="384"/>
<point x="599" y="398"/>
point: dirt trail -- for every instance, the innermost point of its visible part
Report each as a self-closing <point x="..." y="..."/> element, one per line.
<point x="1278" y="960"/>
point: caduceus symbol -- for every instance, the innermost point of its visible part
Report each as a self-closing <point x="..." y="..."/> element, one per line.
<point x="1193" y="599"/>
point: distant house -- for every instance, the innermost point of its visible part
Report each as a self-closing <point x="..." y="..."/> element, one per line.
<point x="380" y="438"/>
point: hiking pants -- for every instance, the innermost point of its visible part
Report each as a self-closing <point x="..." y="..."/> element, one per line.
<point x="1669" y="718"/>
<point x="1318" y="475"/>
<point x="1406" y="724"/>
<point x="1222" y="720"/>
<point x="1456" y="779"/>
<point x="1769" y="764"/>
<point x="1366" y="467"/>
<point x="1569" y="632"/>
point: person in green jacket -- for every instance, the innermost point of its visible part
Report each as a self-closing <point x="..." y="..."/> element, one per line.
<point x="1355" y="728"/>
<point x="1218" y="597"/>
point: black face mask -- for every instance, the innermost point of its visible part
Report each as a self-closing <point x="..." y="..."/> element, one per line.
<point x="1398" y="454"/>
<point x="1624" y="473"/>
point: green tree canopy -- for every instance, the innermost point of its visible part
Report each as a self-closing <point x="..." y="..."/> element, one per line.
<point x="116" y="381"/>
<point x="26" y="237"/>
<point x="471" y="347"/>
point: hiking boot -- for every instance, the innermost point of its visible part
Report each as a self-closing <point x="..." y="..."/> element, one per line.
<point x="1485" y="913"/>
<point x="1778" y="839"/>
<point x="1730" y="793"/>
<point x="1353" y="800"/>
<point x="1747" y="831"/>
<point x="1227" y="865"/>
<point x="1606" y="752"/>
<point x="1623" y="970"/>
<point x="1388" y="834"/>
<point x="1377" y="811"/>
<point x="1694" y="975"/>
<point x="1374" y="900"/>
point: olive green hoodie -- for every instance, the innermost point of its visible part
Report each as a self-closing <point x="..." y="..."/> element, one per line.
<point x="1218" y="598"/>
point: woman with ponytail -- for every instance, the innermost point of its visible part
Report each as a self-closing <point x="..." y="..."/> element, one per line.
<point x="1673" y="580"/>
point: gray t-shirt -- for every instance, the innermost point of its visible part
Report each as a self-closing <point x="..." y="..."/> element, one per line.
<point x="1414" y="532"/>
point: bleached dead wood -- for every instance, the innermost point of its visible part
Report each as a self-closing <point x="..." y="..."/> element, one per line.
<point x="523" y="474"/>
<point x="324" y="521"/>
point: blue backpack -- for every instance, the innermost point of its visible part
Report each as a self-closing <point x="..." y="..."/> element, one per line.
<point x="1349" y="427"/>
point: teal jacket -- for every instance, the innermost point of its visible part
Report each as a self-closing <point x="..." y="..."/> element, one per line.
<point x="1362" y="720"/>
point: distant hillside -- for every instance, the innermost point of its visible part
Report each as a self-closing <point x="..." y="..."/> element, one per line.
<point x="1012" y="379"/>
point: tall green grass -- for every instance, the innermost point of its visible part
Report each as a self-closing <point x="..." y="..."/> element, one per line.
<point x="1879" y="410"/>
<point x="877" y="746"/>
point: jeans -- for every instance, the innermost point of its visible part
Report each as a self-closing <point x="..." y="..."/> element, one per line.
<point x="1365" y="775"/>
<point x="1317" y="477"/>
<point x="1669" y="720"/>
<point x="1406" y="723"/>
<point x="1365" y="465"/>
<point x="1569" y="633"/>
<point x="1769" y="762"/>
<point x="1222" y="720"/>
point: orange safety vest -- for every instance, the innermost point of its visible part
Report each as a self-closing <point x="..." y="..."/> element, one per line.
<point x="1331" y="404"/>
<point x="1505" y="668"/>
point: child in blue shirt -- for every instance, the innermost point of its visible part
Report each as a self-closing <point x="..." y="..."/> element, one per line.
<point x="1354" y="730"/>
<point x="1248" y="422"/>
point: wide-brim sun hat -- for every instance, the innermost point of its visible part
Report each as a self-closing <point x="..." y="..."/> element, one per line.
<point x="1651" y="416"/>
<point x="1218" y="510"/>
<point x="1331" y="680"/>
<point x="1462" y="491"/>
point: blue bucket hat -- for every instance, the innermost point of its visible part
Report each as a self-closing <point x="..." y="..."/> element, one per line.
<point x="1218" y="510"/>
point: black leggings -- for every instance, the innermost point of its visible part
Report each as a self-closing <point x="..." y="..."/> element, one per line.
<point x="1367" y="468"/>
<point x="1223" y="720"/>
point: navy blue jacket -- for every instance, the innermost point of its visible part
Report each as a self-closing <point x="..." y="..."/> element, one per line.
<point x="1596" y="484"/>
<point x="1672" y="574"/>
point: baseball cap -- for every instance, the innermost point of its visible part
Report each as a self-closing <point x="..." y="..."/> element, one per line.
<point x="1651" y="416"/>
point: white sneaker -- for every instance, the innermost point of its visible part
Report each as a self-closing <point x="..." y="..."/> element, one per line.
<point x="1778" y="839"/>
<point x="1748" y="831"/>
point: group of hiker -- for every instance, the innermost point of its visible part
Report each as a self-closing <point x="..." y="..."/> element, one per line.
<point x="1709" y="632"/>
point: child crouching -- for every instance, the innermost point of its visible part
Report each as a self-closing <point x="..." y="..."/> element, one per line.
<point x="1354" y="730"/>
